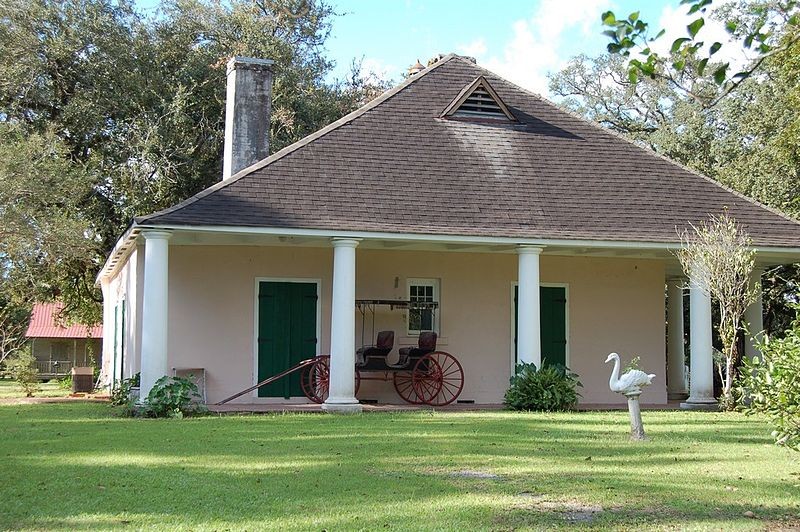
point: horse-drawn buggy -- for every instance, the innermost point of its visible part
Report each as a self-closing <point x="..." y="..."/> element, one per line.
<point x="421" y="375"/>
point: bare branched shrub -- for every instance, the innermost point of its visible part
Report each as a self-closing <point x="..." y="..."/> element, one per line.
<point x="718" y="257"/>
<point x="12" y="332"/>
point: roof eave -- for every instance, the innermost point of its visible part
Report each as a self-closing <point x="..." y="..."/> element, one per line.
<point x="119" y="254"/>
<point x="790" y="252"/>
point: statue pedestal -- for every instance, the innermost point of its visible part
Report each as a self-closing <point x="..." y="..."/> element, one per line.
<point x="637" y="429"/>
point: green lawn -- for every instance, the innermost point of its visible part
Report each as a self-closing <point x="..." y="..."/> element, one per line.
<point x="10" y="390"/>
<point x="74" y="466"/>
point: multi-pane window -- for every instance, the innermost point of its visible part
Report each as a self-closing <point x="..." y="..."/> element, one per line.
<point x="423" y="318"/>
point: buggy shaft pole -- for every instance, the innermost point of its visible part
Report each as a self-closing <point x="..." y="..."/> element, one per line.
<point x="270" y="380"/>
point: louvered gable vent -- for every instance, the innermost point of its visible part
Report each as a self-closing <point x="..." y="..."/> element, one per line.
<point x="478" y="100"/>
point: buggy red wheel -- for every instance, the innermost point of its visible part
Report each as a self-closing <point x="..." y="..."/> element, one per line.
<point x="437" y="379"/>
<point x="404" y="386"/>
<point x="315" y="379"/>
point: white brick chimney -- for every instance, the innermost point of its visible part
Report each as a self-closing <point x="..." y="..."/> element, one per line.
<point x="248" y="103"/>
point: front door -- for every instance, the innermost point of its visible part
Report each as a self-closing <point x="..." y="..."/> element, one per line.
<point x="287" y="333"/>
<point x="553" y="323"/>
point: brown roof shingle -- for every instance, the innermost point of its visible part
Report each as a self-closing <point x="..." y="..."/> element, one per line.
<point x="398" y="167"/>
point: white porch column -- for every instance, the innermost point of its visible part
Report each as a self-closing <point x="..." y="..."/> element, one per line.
<point x="106" y="345"/>
<point x="754" y="317"/>
<point x="154" y="309"/>
<point x="529" y="342"/>
<point x="676" y="361"/>
<point x="701" y="375"/>
<point x="341" y="396"/>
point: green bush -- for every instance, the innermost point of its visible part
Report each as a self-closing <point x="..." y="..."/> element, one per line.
<point x="21" y="366"/>
<point x="121" y="395"/>
<point x="172" y="397"/>
<point x="65" y="383"/>
<point x="551" y="388"/>
<point x="771" y="386"/>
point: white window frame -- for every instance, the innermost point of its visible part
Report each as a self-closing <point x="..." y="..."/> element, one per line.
<point x="436" y="284"/>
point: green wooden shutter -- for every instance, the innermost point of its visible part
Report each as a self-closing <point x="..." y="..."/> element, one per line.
<point x="554" y="324"/>
<point x="287" y="325"/>
<point x="552" y="321"/>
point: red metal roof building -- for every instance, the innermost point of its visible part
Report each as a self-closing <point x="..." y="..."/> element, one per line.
<point x="45" y="324"/>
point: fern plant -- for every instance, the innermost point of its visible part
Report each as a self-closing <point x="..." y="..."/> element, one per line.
<point x="552" y="388"/>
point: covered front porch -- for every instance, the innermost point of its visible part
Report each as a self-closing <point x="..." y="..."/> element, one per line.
<point x="203" y="306"/>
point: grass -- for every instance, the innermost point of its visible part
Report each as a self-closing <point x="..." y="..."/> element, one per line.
<point x="10" y="390"/>
<point x="75" y="467"/>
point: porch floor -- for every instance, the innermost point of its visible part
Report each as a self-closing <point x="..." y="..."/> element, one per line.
<point x="253" y="408"/>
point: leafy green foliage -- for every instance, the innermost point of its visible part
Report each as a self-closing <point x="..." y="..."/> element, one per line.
<point x="45" y="237"/>
<point x="781" y="292"/>
<point x="121" y="395"/>
<point x="634" y="363"/>
<point x="749" y="141"/>
<point x="771" y="386"/>
<point x="755" y="26"/>
<point x="65" y="383"/>
<point x="21" y="366"/>
<point x="551" y="388"/>
<point x="108" y="113"/>
<point x="172" y="397"/>
<point x="14" y="318"/>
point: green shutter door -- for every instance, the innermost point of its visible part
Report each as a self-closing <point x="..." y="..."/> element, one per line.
<point x="287" y="333"/>
<point x="553" y="323"/>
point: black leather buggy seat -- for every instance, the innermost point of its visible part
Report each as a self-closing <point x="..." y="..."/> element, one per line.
<point x="374" y="356"/>
<point x="425" y="345"/>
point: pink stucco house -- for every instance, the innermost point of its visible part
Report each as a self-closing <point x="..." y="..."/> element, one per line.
<point x="536" y="234"/>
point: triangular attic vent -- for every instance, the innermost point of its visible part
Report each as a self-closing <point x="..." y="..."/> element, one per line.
<point x="478" y="100"/>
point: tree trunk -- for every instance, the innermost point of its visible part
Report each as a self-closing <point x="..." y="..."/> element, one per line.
<point x="730" y="360"/>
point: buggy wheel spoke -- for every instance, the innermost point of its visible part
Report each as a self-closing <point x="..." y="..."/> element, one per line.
<point x="449" y="378"/>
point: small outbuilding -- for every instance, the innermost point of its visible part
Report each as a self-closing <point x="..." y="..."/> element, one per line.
<point x="58" y="347"/>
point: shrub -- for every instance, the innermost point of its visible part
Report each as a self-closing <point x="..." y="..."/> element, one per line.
<point x="172" y="397"/>
<point x="551" y="388"/>
<point x="634" y="363"/>
<point x="65" y="383"/>
<point x="21" y="366"/>
<point x="771" y="386"/>
<point x="121" y="395"/>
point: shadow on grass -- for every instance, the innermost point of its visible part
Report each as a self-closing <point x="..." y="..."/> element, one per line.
<point x="72" y="467"/>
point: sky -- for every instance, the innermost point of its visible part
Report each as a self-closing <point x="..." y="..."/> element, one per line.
<point x="521" y="40"/>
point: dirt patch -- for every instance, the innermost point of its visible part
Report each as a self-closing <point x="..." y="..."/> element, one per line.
<point x="475" y="474"/>
<point x="573" y="512"/>
<point x="787" y="523"/>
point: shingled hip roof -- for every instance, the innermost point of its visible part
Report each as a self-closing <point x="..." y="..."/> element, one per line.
<point x="398" y="166"/>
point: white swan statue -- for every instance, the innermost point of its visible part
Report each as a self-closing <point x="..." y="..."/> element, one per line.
<point x="630" y="383"/>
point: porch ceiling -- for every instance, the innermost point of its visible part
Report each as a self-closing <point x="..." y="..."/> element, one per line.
<point x="195" y="237"/>
<point x="205" y="237"/>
